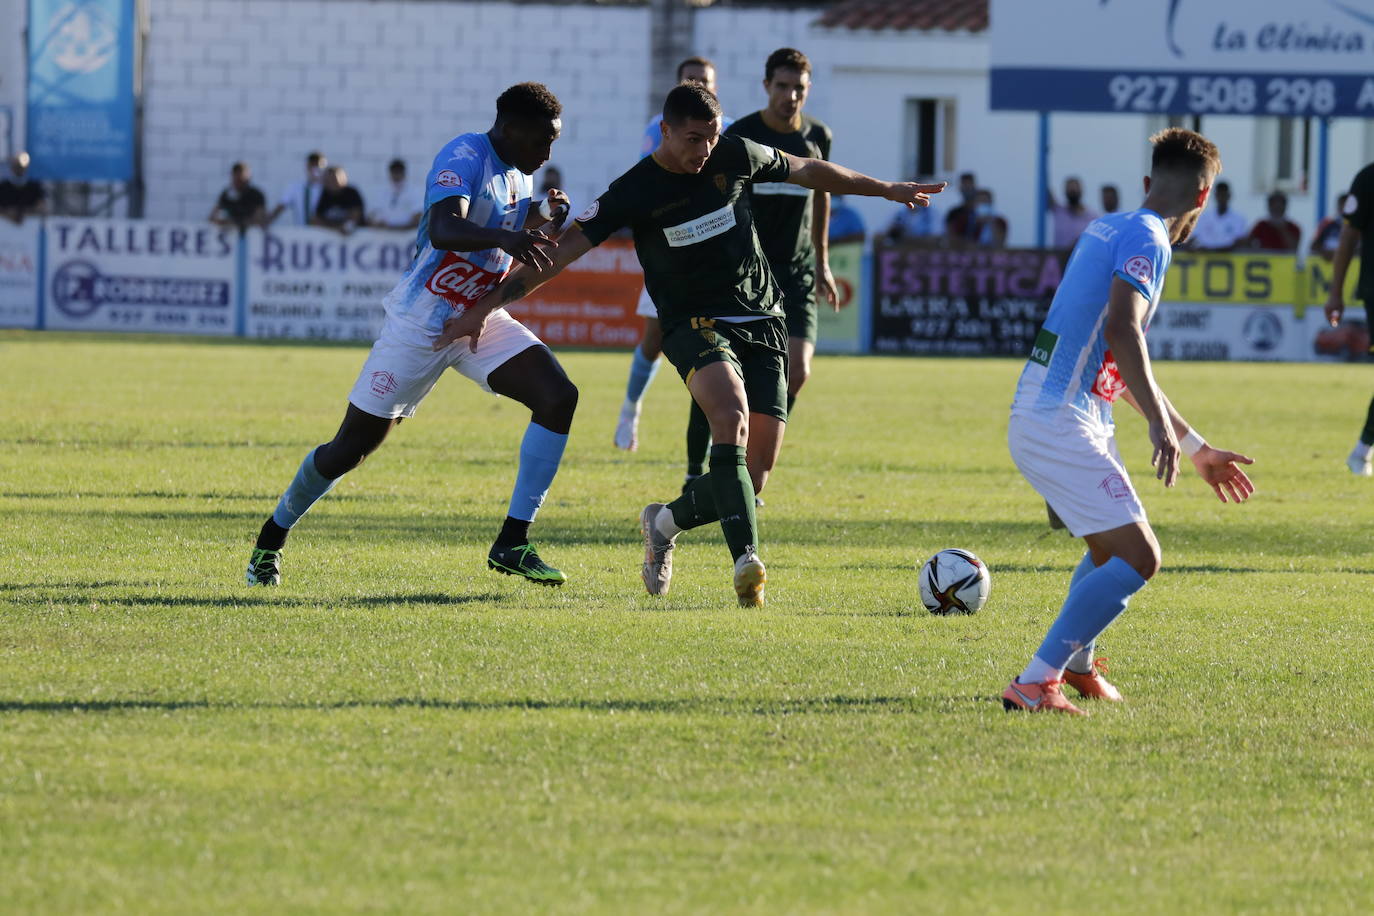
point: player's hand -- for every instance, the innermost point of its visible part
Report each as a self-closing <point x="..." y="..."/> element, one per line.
<point x="557" y="200"/>
<point x="1166" y="453"/>
<point x="528" y="247"/>
<point x="1335" y="306"/>
<point x="825" y="286"/>
<point x="912" y="193"/>
<point x="468" y="323"/>
<point x="1222" y="472"/>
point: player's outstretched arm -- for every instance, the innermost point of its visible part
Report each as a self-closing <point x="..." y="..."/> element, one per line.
<point x="1340" y="263"/>
<point x="1126" y="309"/>
<point x="821" y="175"/>
<point x="451" y="230"/>
<point x="520" y="283"/>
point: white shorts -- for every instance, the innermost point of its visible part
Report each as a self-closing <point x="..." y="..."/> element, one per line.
<point x="1076" y="467"/>
<point x="646" y="305"/>
<point x="402" y="367"/>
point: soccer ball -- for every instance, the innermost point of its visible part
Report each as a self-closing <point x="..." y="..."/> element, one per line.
<point x="954" y="582"/>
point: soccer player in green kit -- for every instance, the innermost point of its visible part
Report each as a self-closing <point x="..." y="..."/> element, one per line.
<point x="792" y="221"/>
<point x="718" y="304"/>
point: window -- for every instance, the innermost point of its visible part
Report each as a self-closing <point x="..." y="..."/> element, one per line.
<point x="930" y="137"/>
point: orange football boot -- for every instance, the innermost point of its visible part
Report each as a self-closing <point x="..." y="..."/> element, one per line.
<point x="1046" y="697"/>
<point x="1093" y="685"/>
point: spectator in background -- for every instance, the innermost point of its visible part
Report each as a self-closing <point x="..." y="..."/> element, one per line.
<point x="910" y="223"/>
<point x="1111" y="200"/>
<point x="989" y="226"/>
<point x="401" y="202"/>
<point x="1070" y="218"/>
<point x="303" y="196"/>
<point x="241" y="204"/>
<point x="959" y="220"/>
<point x="1276" y="232"/>
<point x="21" y="196"/>
<point x="340" y="206"/>
<point x="1219" y="228"/>
<point x="846" y="225"/>
<point x="1328" y="234"/>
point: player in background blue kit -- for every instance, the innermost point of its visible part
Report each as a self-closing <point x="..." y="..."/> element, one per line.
<point x="1090" y="352"/>
<point x="644" y="361"/>
<point x="478" y="220"/>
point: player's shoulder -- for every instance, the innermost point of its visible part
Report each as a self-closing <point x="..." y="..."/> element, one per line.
<point x="463" y="148"/>
<point x="1363" y="184"/>
<point x="1141" y="224"/>
<point x="815" y="128"/>
<point x="749" y="124"/>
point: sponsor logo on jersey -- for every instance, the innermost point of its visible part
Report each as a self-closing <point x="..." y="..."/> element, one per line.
<point x="783" y="188"/>
<point x="1108" y="384"/>
<point x="1043" y="348"/>
<point x="715" y="223"/>
<point x="448" y="179"/>
<point x="590" y="213"/>
<point x="1141" y="268"/>
<point x="461" y="282"/>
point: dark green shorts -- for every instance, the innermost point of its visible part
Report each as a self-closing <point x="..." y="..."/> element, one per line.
<point x="799" y="304"/>
<point x="757" y="350"/>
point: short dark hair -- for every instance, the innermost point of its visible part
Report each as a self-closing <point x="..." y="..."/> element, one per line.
<point x="313" y="158"/>
<point x="528" y="101"/>
<point x="1180" y="149"/>
<point x="238" y="168"/>
<point x="694" y="62"/>
<point x="690" y="101"/>
<point x="786" y="59"/>
<point x="396" y="165"/>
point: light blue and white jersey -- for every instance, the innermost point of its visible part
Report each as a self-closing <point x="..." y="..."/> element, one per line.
<point x="440" y="284"/>
<point x="1070" y="366"/>
<point x="653" y="134"/>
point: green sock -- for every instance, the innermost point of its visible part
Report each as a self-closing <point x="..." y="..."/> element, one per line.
<point x="696" y="506"/>
<point x="698" y="440"/>
<point x="733" y="490"/>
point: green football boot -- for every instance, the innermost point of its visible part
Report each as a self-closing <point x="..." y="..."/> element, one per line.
<point x="264" y="567"/>
<point x="523" y="561"/>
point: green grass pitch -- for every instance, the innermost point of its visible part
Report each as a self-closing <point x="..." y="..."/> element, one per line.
<point x="397" y="729"/>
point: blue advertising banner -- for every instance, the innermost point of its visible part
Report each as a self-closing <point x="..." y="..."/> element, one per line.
<point x="1237" y="57"/>
<point x="81" y="90"/>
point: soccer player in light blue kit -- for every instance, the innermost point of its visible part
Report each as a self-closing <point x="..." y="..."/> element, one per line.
<point x="478" y="221"/>
<point x="1090" y="352"/>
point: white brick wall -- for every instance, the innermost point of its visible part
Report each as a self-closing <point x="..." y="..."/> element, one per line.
<point x="268" y="81"/>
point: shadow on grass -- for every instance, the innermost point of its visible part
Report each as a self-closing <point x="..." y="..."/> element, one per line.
<point x="736" y="706"/>
<point x="81" y="593"/>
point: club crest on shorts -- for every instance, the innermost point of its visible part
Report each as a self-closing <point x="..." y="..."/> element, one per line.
<point x="1115" y="486"/>
<point x="383" y="383"/>
<point x="1140" y="268"/>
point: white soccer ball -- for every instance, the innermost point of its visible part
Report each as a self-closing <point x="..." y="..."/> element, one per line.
<point x="954" y="582"/>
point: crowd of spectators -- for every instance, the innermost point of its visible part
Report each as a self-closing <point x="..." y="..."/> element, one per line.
<point x="323" y="196"/>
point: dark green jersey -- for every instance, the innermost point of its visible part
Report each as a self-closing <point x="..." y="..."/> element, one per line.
<point x="694" y="234"/>
<point x="782" y="212"/>
<point x="1359" y="212"/>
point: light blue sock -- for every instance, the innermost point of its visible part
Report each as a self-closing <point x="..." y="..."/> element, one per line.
<point x="642" y="372"/>
<point x="1098" y="599"/>
<point x="1082" y="660"/>
<point x="540" y="452"/>
<point x="306" y="489"/>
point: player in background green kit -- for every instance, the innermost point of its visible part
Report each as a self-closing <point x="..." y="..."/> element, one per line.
<point x="718" y="304"/>
<point x="1358" y="212"/>
<point x="792" y="221"/>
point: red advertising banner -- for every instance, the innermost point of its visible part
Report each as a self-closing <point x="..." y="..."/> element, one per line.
<point x="591" y="303"/>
